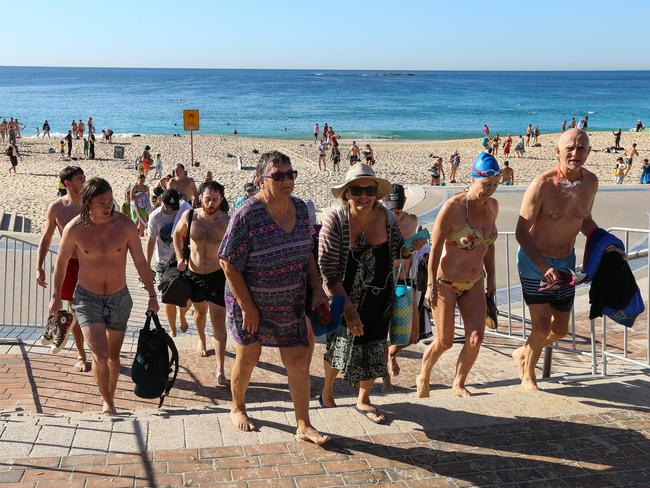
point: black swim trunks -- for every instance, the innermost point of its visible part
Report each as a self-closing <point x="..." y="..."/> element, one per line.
<point x="208" y="287"/>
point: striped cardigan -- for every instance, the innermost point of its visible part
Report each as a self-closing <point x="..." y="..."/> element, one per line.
<point x="334" y="242"/>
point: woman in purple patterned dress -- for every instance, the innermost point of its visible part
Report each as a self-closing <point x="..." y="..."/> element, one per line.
<point x="266" y="256"/>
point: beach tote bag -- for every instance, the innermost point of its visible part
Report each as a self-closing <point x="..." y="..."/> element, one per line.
<point x="401" y="321"/>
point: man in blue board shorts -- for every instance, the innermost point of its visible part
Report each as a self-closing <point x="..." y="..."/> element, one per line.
<point x="557" y="205"/>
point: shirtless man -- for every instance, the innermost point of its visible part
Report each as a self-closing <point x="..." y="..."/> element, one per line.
<point x="354" y="154"/>
<point x="408" y="223"/>
<point x="507" y="175"/>
<point x="630" y="152"/>
<point x="183" y="184"/>
<point x="207" y="229"/>
<point x="75" y="129"/>
<point x="101" y="237"/>
<point x="59" y="213"/>
<point x="557" y="205"/>
<point x="80" y="129"/>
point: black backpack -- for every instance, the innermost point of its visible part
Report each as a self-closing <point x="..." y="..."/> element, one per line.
<point x="152" y="364"/>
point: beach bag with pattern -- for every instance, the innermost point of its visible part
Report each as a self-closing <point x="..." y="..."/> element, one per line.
<point x="401" y="321"/>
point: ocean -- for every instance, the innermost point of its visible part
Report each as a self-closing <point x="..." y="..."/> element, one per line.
<point x="287" y="103"/>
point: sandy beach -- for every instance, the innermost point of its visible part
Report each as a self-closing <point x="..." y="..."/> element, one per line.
<point x="34" y="187"/>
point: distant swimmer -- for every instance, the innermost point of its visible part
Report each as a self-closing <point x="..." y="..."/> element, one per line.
<point x="572" y="125"/>
<point x="556" y="206"/>
<point x="101" y="239"/>
<point x="639" y="126"/>
<point x="486" y="130"/>
<point x="563" y="128"/>
<point x="59" y="213"/>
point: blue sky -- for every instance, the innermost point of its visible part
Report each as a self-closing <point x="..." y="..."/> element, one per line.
<point x="331" y="34"/>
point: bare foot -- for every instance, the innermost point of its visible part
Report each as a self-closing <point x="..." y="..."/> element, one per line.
<point x="184" y="324"/>
<point x="529" y="384"/>
<point x="518" y="358"/>
<point x="241" y="420"/>
<point x="81" y="366"/>
<point x="312" y="435"/>
<point x="393" y="367"/>
<point x="108" y="409"/>
<point x="172" y="332"/>
<point x="461" y="391"/>
<point x="422" y="387"/>
<point x="201" y="350"/>
<point x="221" y="380"/>
<point x="387" y="386"/>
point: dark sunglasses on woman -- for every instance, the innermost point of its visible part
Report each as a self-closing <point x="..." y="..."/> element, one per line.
<point x="281" y="176"/>
<point x="357" y="191"/>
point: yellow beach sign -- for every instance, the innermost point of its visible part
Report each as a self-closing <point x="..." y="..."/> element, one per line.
<point x="191" y="120"/>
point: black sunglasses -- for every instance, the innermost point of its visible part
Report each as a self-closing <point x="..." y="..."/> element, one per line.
<point x="280" y="176"/>
<point x="357" y="191"/>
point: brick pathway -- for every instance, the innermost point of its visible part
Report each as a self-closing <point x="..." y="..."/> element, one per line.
<point x="611" y="449"/>
<point x="595" y="433"/>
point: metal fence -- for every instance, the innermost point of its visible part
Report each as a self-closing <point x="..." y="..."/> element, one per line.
<point x="24" y="303"/>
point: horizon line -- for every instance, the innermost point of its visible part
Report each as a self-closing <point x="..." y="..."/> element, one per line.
<point x="385" y="70"/>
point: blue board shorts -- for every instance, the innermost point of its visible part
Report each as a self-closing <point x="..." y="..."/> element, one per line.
<point x="112" y="310"/>
<point x="560" y="299"/>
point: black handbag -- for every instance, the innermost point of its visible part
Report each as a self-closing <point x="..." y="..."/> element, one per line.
<point x="175" y="285"/>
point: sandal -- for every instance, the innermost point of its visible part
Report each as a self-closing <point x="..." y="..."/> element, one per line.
<point x="374" y="415"/>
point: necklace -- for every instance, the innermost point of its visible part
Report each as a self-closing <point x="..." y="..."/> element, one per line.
<point x="362" y="240"/>
<point x="562" y="180"/>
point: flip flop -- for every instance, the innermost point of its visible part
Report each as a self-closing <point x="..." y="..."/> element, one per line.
<point x="367" y="414"/>
<point x="568" y="277"/>
<point x="322" y="404"/>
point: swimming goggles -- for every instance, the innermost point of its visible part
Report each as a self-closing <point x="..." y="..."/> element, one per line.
<point x="487" y="173"/>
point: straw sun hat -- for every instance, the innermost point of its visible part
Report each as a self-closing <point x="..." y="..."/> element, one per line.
<point x="362" y="171"/>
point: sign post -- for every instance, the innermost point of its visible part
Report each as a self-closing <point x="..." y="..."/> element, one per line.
<point x="191" y="123"/>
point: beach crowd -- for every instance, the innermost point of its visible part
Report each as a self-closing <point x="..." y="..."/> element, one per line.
<point x="266" y="272"/>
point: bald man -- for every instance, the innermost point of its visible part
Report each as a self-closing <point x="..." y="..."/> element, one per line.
<point x="557" y="205"/>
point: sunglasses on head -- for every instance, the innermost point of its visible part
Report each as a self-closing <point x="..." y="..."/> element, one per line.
<point x="281" y="176"/>
<point x="488" y="172"/>
<point x="357" y="191"/>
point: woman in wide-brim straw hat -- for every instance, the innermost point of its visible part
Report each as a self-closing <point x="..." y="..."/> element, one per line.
<point x="358" y="244"/>
<point x="461" y="257"/>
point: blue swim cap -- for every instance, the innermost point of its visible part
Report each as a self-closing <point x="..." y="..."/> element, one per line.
<point x="485" y="166"/>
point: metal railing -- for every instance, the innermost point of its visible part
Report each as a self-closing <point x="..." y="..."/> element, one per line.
<point x="24" y="303"/>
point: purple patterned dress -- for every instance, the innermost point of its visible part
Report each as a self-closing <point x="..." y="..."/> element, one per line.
<point x="274" y="266"/>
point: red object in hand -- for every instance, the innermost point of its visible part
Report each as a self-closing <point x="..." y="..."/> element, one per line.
<point x="323" y="314"/>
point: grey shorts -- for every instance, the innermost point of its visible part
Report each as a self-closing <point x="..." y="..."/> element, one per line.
<point x="112" y="310"/>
